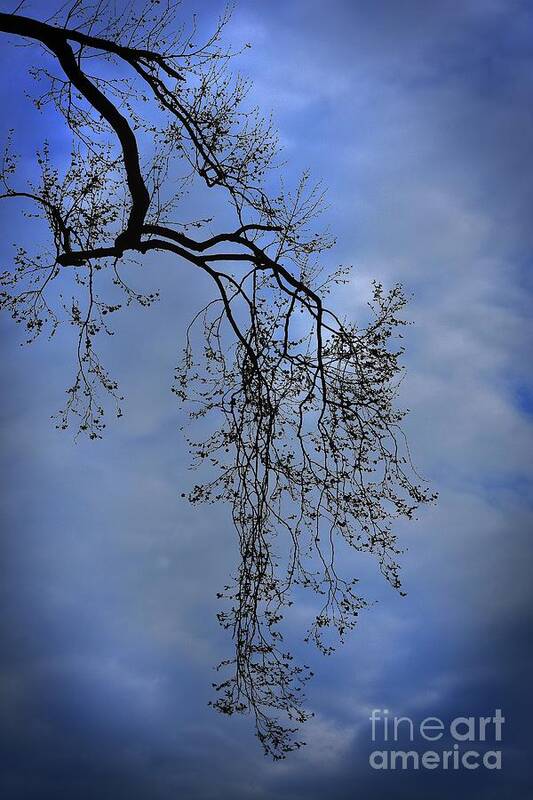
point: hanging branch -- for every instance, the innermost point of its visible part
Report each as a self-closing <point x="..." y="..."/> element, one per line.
<point x="309" y="453"/>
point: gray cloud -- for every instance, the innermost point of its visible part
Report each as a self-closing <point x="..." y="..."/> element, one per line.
<point x="419" y="116"/>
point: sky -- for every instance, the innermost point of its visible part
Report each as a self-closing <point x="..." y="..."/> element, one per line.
<point x="419" y="118"/>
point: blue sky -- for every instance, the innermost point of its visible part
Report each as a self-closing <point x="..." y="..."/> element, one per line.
<point x="419" y="118"/>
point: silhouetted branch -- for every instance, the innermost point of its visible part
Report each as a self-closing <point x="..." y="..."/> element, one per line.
<point x="309" y="453"/>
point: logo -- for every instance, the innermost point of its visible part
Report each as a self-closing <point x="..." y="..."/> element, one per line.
<point x="467" y="740"/>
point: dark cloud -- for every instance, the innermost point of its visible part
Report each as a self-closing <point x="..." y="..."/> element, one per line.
<point x="419" y="115"/>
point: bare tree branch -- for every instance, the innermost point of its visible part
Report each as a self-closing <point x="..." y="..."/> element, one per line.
<point x="309" y="452"/>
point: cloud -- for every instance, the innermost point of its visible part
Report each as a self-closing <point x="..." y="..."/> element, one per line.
<point x="419" y="117"/>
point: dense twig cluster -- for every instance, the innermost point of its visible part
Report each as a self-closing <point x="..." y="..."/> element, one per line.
<point x="309" y="452"/>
